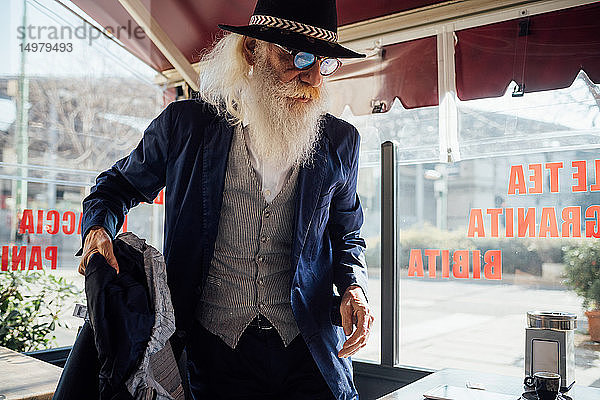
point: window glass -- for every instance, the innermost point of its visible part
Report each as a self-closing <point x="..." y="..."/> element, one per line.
<point x="68" y="110"/>
<point x="467" y="283"/>
<point x="495" y="227"/>
<point x="400" y="126"/>
<point x="538" y="122"/>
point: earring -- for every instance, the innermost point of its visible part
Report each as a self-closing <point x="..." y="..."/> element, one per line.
<point x="251" y="70"/>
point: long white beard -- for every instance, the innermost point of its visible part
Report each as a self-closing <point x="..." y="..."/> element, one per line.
<point x="283" y="132"/>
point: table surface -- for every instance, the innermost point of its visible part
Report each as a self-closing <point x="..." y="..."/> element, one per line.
<point x="492" y="382"/>
<point x="26" y="378"/>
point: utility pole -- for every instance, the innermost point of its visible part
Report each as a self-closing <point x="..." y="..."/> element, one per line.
<point x="22" y="142"/>
<point x="19" y="186"/>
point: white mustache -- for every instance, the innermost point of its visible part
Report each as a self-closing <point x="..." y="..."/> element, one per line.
<point x="284" y="131"/>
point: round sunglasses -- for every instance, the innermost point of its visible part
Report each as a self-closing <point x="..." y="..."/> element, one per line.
<point x="304" y="60"/>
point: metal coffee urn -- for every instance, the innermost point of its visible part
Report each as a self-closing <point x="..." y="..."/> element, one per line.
<point x="549" y="344"/>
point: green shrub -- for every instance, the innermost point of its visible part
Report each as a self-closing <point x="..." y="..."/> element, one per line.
<point x="583" y="272"/>
<point x="30" y="303"/>
<point x="517" y="254"/>
<point x="550" y="250"/>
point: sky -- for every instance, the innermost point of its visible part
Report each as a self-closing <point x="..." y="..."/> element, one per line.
<point x="90" y="56"/>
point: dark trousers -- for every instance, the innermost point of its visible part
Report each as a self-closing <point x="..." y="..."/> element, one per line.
<point x="79" y="378"/>
<point x="260" y="367"/>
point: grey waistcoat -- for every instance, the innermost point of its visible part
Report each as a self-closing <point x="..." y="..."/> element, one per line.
<point x="251" y="271"/>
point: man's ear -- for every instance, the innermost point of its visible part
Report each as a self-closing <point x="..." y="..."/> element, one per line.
<point x="249" y="48"/>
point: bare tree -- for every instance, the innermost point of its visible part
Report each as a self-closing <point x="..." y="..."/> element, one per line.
<point x="91" y="121"/>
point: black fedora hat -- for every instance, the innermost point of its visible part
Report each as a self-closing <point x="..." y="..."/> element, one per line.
<point x="307" y="25"/>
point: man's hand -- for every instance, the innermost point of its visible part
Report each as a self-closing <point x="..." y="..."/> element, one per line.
<point x="97" y="240"/>
<point x="355" y="311"/>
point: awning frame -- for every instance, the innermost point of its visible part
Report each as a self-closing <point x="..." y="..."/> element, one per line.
<point x="163" y="42"/>
<point x="443" y="21"/>
<point x="423" y="22"/>
<point x="435" y="20"/>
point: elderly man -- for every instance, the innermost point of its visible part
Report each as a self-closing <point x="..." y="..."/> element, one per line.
<point x="262" y="217"/>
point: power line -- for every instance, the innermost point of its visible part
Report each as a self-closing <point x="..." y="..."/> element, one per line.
<point x="50" y="168"/>
<point x="59" y="19"/>
<point x="125" y="66"/>
<point x="99" y="47"/>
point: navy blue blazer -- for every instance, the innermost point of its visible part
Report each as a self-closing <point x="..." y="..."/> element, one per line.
<point x="185" y="149"/>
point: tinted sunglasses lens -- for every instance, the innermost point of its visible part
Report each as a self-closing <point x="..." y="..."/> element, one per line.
<point x="329" y="66"/>
<point x="304" y="60"/>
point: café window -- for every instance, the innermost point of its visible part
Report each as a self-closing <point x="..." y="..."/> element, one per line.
<point x="67" y="112"/>
<point x="495" y="185"/>
<point x="486" y="230"/>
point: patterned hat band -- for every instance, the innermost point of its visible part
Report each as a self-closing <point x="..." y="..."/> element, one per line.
<point x="308" y="30"/>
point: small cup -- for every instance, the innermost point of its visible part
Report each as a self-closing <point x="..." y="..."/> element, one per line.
<point x="545" y="384"/>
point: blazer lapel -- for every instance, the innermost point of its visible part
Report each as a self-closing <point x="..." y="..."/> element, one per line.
<point x="215" y="149"/>
<point x="310" y="181"/>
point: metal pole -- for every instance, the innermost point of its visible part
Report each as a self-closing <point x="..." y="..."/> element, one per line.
<point x="22" y="142"/>
<point x="390" y="294"/>
<point x="19" y="183"/>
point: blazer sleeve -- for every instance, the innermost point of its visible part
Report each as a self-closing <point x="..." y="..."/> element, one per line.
<point x="135" y="178"/>
<point x="345" y="221"/>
